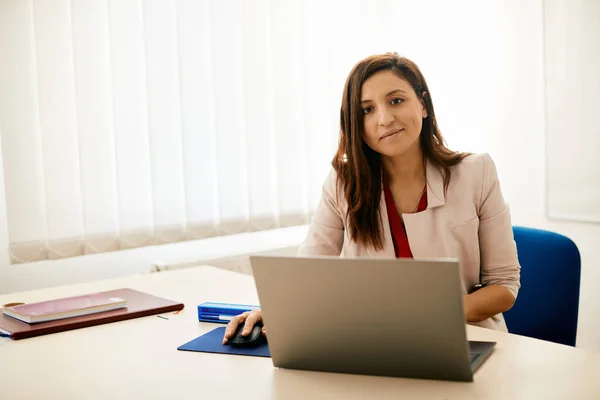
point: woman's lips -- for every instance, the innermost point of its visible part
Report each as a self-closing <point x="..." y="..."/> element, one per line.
<point x="391" y="133"/>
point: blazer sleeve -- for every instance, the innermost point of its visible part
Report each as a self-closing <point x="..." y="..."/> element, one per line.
<point x="499" y="261"/>
<point x="326" y="230"/>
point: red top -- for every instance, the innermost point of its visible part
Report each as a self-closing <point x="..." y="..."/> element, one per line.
<point x="401" y="245"/>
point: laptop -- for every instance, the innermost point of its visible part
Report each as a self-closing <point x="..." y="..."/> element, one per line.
<point x="384" y="317"/>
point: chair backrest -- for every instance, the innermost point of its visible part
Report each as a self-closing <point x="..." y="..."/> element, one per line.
<point x="547" y="305"/>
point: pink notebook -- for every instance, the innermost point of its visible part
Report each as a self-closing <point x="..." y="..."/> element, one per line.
<point x="139" y="304"/>
<point x="67" y="307"/>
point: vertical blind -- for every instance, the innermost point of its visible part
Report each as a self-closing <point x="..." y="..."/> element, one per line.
<point x="129" y="123"/>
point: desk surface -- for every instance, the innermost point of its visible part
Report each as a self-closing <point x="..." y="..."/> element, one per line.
<point x="139" y="358"/>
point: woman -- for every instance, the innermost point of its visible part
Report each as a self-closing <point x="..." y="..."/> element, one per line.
<point x="395" y="189"/>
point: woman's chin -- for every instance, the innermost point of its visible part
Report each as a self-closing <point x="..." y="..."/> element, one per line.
<point x="395" y="152"/>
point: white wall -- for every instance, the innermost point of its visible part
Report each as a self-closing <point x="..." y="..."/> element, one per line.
<point x="572" y="62"/>
<point x="518" y="147"/>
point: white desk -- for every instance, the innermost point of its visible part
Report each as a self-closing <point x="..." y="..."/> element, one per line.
<point x="138" y="359"/>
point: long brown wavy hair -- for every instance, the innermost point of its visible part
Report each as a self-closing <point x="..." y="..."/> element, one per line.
<point x="359" y="168"/>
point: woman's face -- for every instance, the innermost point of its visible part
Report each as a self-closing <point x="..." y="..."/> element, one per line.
<point x="392" y="114"/>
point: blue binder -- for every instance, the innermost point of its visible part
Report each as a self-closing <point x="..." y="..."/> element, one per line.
<point x="211" y="342"/>
<point x="221" y="313"/>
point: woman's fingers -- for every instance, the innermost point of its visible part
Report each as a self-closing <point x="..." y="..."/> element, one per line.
<point x="233" y="324"/>
<point x="251" y="320"/>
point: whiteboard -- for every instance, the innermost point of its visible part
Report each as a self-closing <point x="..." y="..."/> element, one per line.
<point x="572" y="109"/>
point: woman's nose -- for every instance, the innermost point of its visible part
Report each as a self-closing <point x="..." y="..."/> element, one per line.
<point x="385" y="117"/>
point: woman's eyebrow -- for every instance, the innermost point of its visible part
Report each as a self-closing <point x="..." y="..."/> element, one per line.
<point x="389" y="94"/>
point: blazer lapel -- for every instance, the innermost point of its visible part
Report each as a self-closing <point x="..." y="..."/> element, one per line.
<point x="421" y="227"/>
<point x="435" y="186"/>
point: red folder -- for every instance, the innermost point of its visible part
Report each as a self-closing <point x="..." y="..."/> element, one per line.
<point x="139" y="304"/>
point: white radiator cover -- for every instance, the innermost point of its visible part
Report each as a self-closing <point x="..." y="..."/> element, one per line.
<point x="238" y="263"/>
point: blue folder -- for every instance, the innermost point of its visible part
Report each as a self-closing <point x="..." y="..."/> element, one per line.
<point x="211" y="343"/>
<point x="221" y="313"/>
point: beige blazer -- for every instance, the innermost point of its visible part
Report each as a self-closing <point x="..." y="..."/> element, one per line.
<point x="472" y="223"/>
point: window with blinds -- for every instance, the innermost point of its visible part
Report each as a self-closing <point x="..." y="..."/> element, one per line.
<point x="129" y="123"/>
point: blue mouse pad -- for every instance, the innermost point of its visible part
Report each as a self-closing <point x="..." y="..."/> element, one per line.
<point x="211" y="343"/>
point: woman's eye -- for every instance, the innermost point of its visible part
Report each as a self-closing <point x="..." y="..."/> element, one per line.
<point x="367" y="110"/>
<point x="397" y="101"/>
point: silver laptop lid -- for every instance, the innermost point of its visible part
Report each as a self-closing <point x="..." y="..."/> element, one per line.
<point x="389" y="317"/>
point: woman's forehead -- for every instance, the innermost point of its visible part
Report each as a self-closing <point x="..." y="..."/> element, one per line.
<point x="382" y="84"/>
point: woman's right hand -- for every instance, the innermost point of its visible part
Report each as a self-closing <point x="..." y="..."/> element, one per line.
<point x="249" y="318"/>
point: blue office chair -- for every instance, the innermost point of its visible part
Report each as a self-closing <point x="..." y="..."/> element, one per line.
<point x="547" y="305"/>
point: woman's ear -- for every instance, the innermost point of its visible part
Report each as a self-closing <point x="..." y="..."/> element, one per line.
<point x="424" y="112"/>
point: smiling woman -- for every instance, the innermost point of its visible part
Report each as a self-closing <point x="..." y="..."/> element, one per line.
<point x="396" y="116"/>
<point x="396" y="190"/>
<point x="388" y="120"/>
